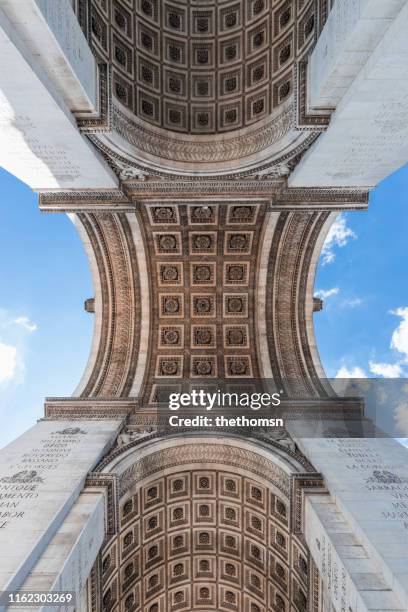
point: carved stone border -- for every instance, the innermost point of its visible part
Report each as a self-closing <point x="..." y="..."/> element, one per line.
<point x="276" y="190"/>
<point x="300" y="484"/>
<point x="277" y="167"/>
<point x="146" y="420"/>
<point x="109" y="482"/>
<point x="89" y="409"/>
<point x="305" y="119"/>
<point x="85" y="201"/>
<point x="103" y="122"/>
<point x="95" y="586"/>
<point x="293" y="243"/>
<point x="311" y="197"/>
<point x="314" y="586"/>
<point x="203" y="150"/>
<point x="273" y="191"/>
<point x="115" y="362"/>
<point x="187" y="454"/>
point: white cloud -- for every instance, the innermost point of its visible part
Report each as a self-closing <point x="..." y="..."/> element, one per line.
<point x="386" y="370"/>
<point x="401" y="418"/>
<point x="399" y="339"/>
<point x="26" y="323"/>
<point x="8" y="362"/>
<point x="355" y="372"/>
<point x="338" y="236"/>
<point x="352" y="302"/>
<point x="399" y="343"/>
<point x="326" y="293"/>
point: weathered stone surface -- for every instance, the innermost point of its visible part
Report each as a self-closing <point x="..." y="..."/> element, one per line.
<point x="68" y="559"/>
<point x="41" y="144"/>
<point x="350" y="575"/>
<point x="364" y="77"/>
<point x="368" y="483"/>
<point x="41" y="475"/>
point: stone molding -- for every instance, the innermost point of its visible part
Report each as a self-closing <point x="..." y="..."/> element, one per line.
<point x="250" y="167"/>
<point x="187" y="454"/>
<point x="293" y="243"/>
<point x="94" y="591"/>
<point x="314" y="588"/>
<point x="101" y="123"/>
<point x="273" y="191"/>
<point x="201" y="151"/>
<point x="299" y="486"/>
<point x="306" y="119"/>
<point x="116" y="359"/>
<point x="109" y="483"/>
<point x="85" y="201"/>
<point x="153" y="422"/>
<point x="88" y="408"/>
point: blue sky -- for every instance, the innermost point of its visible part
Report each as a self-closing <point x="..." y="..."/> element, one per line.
<point x="45" y="334"/>
<point x="363" y="279"/>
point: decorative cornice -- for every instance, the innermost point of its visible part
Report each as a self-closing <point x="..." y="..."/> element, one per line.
<point x="328" y="198"/>
<point x="274" y="166"/>
<point x="273" y="191"/>
<point x="200" y="453"/>
<point x="85" y="201"/>
<point x="202" y="150"/>
<point x="146" y="420"/>
<point x="114" y="195"/>
<point x="96" y="408"/>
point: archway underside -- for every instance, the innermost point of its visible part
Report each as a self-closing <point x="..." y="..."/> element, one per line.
<point x="202" y="67"/>
<point x="191" y="86"/>
<point x="230" y="294"/>
<point x="203" y="527"/>
<point x="205" y="540"/>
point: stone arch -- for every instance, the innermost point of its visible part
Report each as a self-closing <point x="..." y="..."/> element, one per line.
<point x="202" y="87"/>
<point x="233" y="280"/>
<point x="197" y="514"/>
<point x="114" y="246"/>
